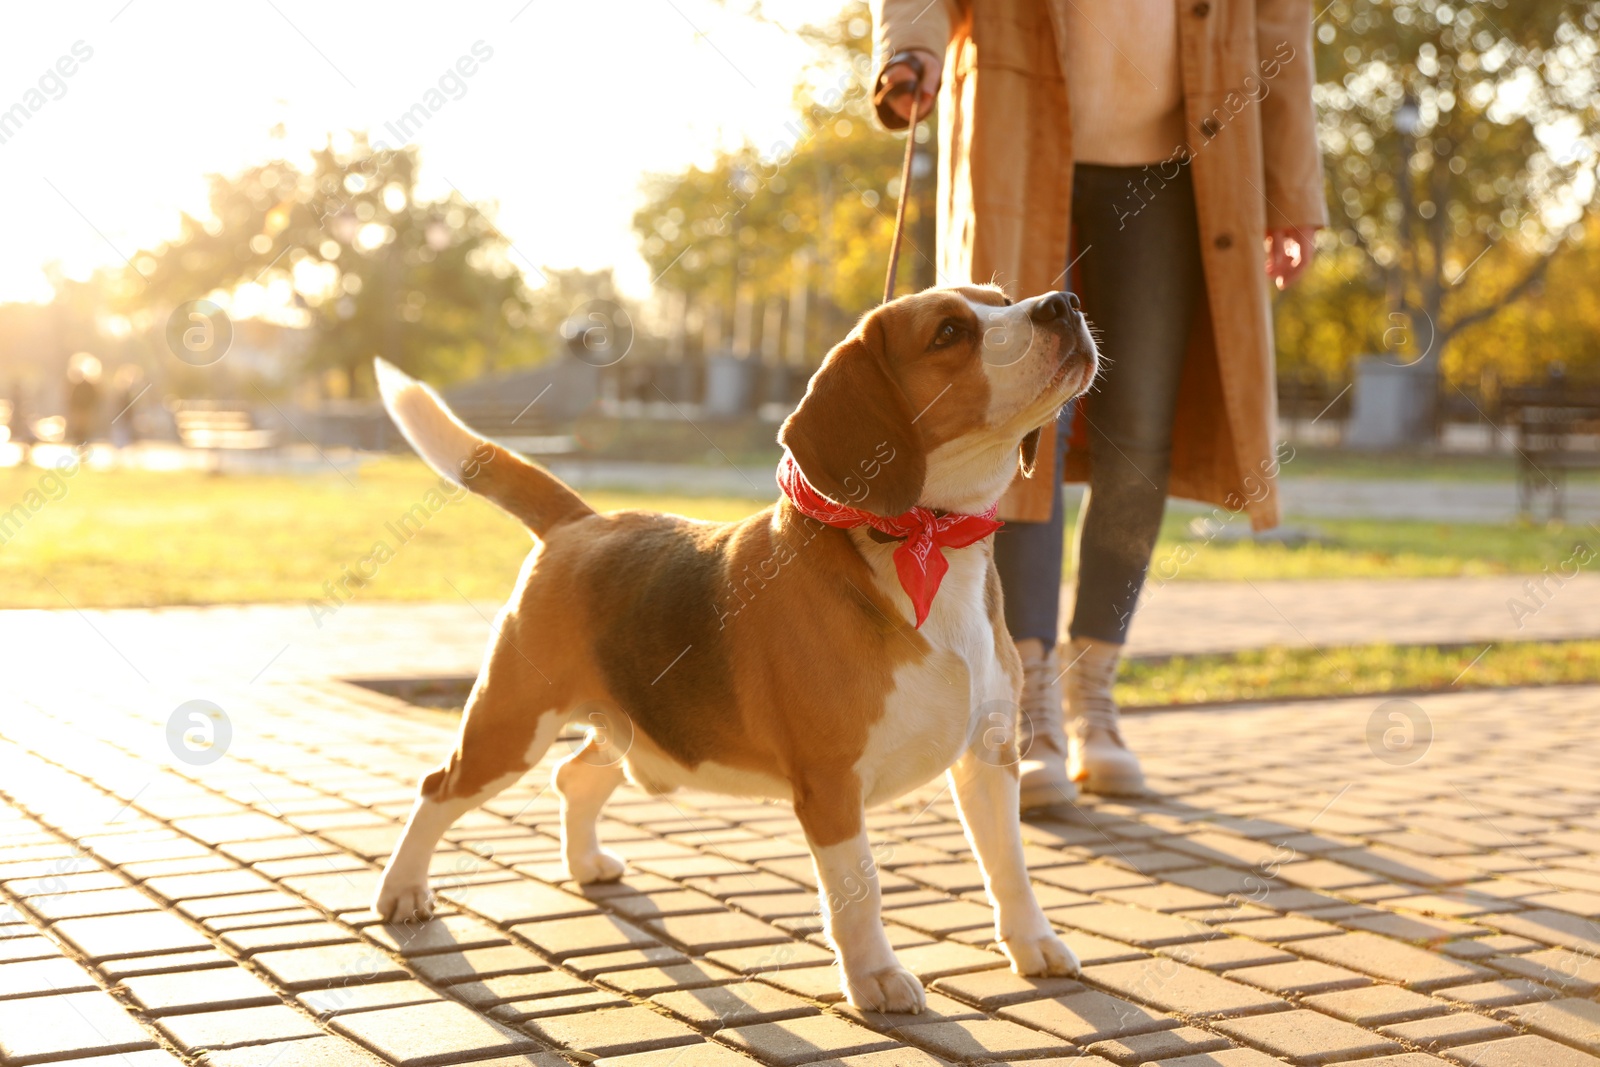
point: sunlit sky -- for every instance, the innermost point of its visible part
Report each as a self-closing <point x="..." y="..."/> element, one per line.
<point x="577" y="103"/>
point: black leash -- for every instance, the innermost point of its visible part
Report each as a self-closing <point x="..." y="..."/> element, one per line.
<point x="915" y="88"/>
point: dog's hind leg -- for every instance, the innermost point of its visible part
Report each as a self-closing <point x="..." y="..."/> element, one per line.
<point x="512" y="716"/>
<point x="584" y="780"/>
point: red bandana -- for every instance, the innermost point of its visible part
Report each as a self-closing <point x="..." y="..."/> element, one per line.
<point x="923" y="533"/>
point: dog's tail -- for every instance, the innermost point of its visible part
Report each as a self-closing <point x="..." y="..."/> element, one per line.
<point x="524" y="489"/>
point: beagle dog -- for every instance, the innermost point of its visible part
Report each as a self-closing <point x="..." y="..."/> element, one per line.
<point x="835" y="650"/>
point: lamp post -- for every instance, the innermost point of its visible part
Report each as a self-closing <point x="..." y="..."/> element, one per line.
<point x="1407" y="120"/>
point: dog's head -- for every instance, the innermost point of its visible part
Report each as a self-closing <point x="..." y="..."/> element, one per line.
<point x="933" y="396"/>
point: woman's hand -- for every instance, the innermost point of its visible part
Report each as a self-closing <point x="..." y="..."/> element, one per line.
<point x="902" y="74"/>
<point x="1289" y="252"/>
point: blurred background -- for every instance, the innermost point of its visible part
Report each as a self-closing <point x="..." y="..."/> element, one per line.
<point x="621" y="237"/>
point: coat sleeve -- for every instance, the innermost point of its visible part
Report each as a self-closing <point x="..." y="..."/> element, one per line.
<point x="902" y="24"/>
<point x="1292" y="159"/>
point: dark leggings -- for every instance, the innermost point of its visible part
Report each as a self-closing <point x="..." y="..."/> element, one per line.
<point x="1140" y="278"/>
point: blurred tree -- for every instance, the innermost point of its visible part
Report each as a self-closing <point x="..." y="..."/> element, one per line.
<point x="1334" y="312"/>
<point x="564" y="294"/>
<point x="1460" y="144"/>
<point x="1558" y="324"/>
<point x="814" y="210"/>
<point x="372" y="269"/>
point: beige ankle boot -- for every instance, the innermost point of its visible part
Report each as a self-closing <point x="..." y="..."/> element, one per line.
<point x="1044" y="757"/>
<point x="1098" y="758"/>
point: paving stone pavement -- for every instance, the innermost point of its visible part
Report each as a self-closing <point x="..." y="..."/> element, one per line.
<point x="269" y="643"/>
<point x="1347" y="881"/>
<point x="1178" y="617"/>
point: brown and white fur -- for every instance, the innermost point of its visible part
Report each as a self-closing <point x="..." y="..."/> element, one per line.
<point x="775" y="656"/>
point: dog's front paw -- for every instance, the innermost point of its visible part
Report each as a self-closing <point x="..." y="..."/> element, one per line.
<point x="404" y="903"/>
<point x="1040" y="955"/>
<point x="891" y="990"/>
<point x="596" y="866"/>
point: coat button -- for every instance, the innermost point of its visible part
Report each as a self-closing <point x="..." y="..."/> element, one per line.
<point x="1211" y="127"/>
<point x="1201" y="10"/>
<point x="1223" y="241"/>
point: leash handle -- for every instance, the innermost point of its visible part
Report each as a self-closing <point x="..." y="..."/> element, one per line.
<point x="915" y="88"/>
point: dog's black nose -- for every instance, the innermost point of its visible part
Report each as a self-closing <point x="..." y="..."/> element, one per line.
<point x="1072" y="299"/>
<point x="1057" y="307"/>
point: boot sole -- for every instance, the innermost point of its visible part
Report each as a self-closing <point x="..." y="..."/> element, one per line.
<point x="1047" y="795"/>
<point x="1113" y="785"/>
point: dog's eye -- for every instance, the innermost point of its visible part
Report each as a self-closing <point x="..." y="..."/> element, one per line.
<point x="1008" y="301"/>
<point x="948" y="333"/>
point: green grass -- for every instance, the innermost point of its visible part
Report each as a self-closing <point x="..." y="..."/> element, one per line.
<point x="1409" y="466"/>
<point x="1279" y="673"/>
<point x="132" y="538"/>
<point x="1369" y="548"/>
<point x="136" y="538"/>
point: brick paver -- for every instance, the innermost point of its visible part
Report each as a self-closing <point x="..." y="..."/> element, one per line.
<point x="427" y="1034"/>
<point x="236" y="1026"/>
<point x="798" y="1041"/>
<point x="1447" y="1031"/>
<point x="1523" y="1051"/>
<point x="1285" y="893"/>
<point x="70" y="1025"/>
<point x="1307" y="1037"/>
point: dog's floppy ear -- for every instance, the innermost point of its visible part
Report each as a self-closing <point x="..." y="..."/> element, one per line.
<point x="1028" y="453"/>
<point x="853" y="434"/>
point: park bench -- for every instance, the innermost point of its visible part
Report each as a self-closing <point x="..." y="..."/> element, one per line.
<point x="216" y="429"/>
<point x="1312" y="409"/>
<point x="515" y="426"/>
<point x="1557" y="430"/>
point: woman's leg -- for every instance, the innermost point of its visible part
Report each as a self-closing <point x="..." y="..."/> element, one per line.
<point x="1141" y="280"/>
<point x="1028" y="556"/>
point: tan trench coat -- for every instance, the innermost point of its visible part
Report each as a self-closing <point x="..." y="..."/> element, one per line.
<point x="1005" y="196"/>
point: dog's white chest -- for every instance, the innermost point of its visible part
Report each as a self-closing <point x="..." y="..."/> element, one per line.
<point x="937" y="704"/>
